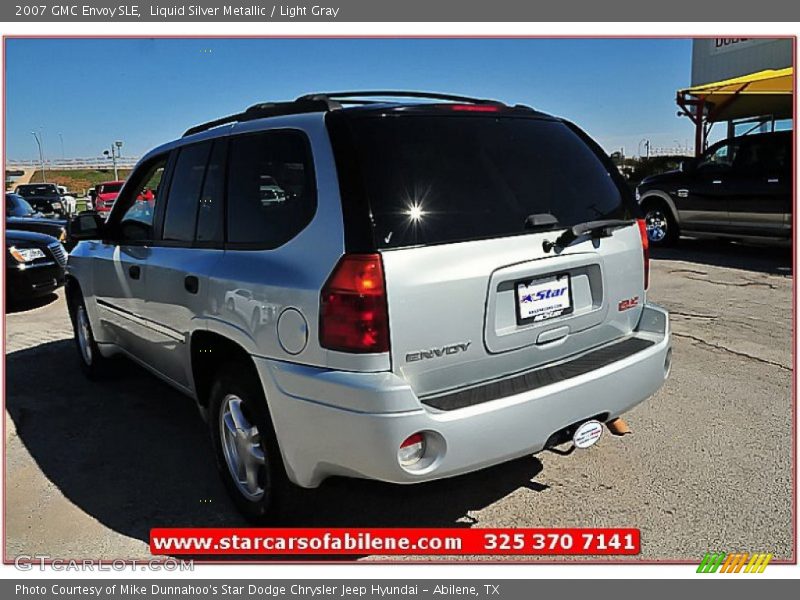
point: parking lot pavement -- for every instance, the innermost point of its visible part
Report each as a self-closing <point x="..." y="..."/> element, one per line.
<point x="90" y="467"/>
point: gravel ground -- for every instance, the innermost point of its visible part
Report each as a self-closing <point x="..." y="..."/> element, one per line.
<point x="90" y="467"/>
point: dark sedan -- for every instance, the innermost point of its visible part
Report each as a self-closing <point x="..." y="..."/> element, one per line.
<point x="44" y="197"/>
<point x="21" y="216"/>
<point x="34" y="265"/>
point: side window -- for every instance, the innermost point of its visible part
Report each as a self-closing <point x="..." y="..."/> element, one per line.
<point x="720" y="158"/>
<point x="771" y="156"/>
<point x="783" y="155"/>
<point x="271" y="192"/>
<point x="184" y="192"/>
<point x="136" y="224"/>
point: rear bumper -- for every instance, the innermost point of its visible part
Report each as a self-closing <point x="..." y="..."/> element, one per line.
<point x="336" y="423"/>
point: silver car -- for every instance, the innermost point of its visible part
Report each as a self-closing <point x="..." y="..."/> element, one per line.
<point x="449" y="283"/>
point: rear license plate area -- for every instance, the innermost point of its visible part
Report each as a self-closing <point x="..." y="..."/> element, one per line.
<point x="543" y="298"/>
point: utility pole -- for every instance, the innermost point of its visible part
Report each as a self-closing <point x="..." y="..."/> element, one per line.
<point x="116" y="152"/>
<point x="61" y="137"/>
<point x="41" y="154"/>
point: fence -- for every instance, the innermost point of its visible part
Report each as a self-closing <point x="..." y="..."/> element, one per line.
<point x="124" y="162"/>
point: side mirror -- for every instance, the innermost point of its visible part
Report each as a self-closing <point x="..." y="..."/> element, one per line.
<point x="688" y="165"/>
<point x="87" y="225"/>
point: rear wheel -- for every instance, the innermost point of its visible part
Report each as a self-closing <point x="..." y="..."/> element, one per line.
<point x="662" y="230"/>
<point x="246" y="448"/>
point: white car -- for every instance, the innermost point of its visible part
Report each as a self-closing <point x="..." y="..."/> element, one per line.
<point x="68" y="199"/>
<point x="250" y="308"/>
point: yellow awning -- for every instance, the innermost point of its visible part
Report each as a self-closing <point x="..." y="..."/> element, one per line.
<point x="771" y="81"/>
<point x="762" y="93"/>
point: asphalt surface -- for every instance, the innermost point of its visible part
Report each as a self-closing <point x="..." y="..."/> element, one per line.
<point x="91" y="467"/>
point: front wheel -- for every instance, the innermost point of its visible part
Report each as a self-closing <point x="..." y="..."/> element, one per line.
<point x="662" y="230"/>
<point x="246" y="448"/>
<point x="93" y="364"/>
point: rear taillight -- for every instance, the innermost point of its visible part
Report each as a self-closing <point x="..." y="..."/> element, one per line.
<point x="645" y="251"/>
<point x="353" y="313"/>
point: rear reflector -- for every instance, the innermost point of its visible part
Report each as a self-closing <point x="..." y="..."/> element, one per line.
<point x="411" y="450"/>
<point x="353" y="313"/>
<point x="645" y="251"/>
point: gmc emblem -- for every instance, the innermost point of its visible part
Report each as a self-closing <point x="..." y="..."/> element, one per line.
<point x="629" y="303"/>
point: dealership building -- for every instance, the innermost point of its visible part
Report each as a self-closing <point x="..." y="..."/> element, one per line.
<point x="743" y="84"/>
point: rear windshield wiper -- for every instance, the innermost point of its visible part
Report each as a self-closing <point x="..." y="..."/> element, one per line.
<point x="595" y="229"/>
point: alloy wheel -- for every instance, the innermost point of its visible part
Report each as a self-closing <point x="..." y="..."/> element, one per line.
<point x="241" y="446"/>
<point x="657" y="225"/>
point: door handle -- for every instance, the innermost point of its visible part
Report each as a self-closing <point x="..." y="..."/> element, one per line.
<point x="773" y="180"/>
<point x="717" y="181"/>
<point x="135" y="271"/>
<point x="192" y="284"/>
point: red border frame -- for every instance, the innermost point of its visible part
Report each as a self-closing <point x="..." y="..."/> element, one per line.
<point x="794" y="38"/>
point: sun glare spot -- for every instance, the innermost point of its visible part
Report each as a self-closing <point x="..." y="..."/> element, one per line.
<point x="415" y="212"/>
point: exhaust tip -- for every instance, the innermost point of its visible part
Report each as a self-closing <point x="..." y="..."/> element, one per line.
<point x="618" y="427"/>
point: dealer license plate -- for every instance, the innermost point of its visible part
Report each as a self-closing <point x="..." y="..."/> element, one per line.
<point x="542" y="299"/>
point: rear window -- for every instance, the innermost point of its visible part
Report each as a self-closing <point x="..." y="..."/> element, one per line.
<point x="109" y="188"/>
<point x="17" y="207"/>
<point x="37" y="190"/>
<point x="432" y="180"/>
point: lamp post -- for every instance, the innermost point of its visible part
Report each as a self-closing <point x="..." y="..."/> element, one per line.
<point x="646" y="143"/>
<point x="116" y="152"/>
<point x="41" y="154"/>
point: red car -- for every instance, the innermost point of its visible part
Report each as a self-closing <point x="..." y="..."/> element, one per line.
<point x="105" y="195"/>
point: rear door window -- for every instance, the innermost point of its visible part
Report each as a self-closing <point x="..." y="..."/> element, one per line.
<point x="433" y="180"/>
<point x="211" y="211"/>
<point x="765" y="156"/>
<point x="271" y="192"/>
<point x="184" y="194"/>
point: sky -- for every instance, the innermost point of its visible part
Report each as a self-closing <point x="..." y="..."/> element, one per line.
<point x="148" y="91"/>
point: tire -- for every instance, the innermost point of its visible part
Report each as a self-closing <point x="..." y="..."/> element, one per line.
<point x="243" y="436"/>
<point x="662" y="229"/>
<point x="93" y="364"/>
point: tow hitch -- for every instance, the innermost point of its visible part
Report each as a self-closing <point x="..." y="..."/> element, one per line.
<point x="584" y="435"/>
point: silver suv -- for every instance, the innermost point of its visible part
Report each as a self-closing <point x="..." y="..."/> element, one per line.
<point x="391" y="285"/>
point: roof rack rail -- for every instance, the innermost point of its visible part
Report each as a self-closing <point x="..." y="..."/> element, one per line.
<point x="269" y="109"/>
<point x="323" y="102"/>
<point x="350" y="97"/>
